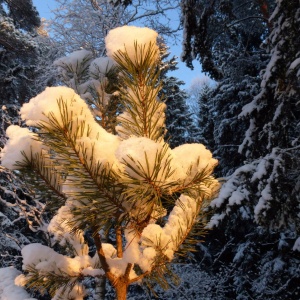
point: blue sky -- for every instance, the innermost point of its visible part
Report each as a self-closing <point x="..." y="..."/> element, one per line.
<point x="44" y="8"/>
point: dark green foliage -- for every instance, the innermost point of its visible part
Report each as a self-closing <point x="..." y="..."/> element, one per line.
<point x="205" y="119"/>
<point x="218" y="31"/>
<point x="226" y="38"/>
<point x="23" y="13"/>
<point x="18" y="51"/>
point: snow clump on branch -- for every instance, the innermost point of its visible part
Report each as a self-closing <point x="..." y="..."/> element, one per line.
<point x="39" y="108"/>
<point x="126" y="37"/>
<point x="21" y="141"/>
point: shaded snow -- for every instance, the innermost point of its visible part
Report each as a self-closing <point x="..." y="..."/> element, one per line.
<point x="8" y="289"/>
<point x="296" y="246"/>
<point x="100" y="66"/>
<point x="74" y="59"/>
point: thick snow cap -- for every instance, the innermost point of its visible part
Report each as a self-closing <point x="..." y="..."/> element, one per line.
<point x="39" y="107"/>
<point x="123" y="38"/>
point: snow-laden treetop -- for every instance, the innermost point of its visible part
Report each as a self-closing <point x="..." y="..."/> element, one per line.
<point x="125" y="39"/>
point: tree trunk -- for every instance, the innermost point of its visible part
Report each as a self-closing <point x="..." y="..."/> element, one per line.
<point x="121" y="289"/>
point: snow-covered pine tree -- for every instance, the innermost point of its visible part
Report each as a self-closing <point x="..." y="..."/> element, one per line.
<point x="21" y="65"/>
<point x="18" y="20"/>
<point x="263" y="194"/>
<point x="132" y="185"/>
<point x="225" y="36"/>
<point x="247" y="247"/>
<point x="19" y="55"/>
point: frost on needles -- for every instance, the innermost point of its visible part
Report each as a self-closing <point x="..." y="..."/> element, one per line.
<point x="131" y="186"/>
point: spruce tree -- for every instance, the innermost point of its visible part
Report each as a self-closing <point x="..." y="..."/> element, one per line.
<point x="18" y="21"/>
<point x="132" y="185"/>
<point x="25" y="55"/>
<point x="273" y="117"/>
<point x="17" y="56"/>
<point x="205" y="116"/>
<point x="262" y="194"/>
<point x="20" y="213"/>
<point x="225" y="36"/>
<point x="179" y="123"/>
<point x="254" y="244"/>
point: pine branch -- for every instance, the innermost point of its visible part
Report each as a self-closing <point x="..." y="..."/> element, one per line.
<point x="197" y="184"/>
<point x="160" y="274"/>
<point x="119" y="242"/>
<point x="99" y="182"/>
<point x="50" y="281"/>
<point x="151" y="188"/>
<point x="105" y="100"/>
<point x="144" y="113"/>
<point x="187" y="240"/>
<point x="100" y="252"/>
<point x="44" y="176"/>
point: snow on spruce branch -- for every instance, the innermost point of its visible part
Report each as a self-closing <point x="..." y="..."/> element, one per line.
<point x="235" y="191"/>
